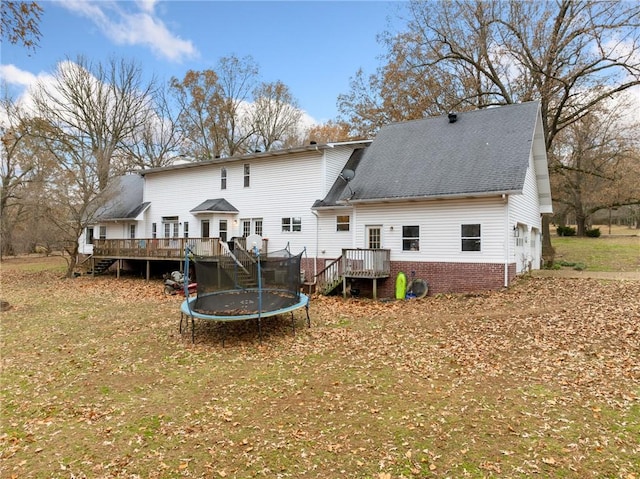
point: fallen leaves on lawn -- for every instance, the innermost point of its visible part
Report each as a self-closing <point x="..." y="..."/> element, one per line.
<point x="542" y="378"/>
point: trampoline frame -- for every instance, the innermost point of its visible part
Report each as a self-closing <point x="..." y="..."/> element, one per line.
<point x="187" y="311"/>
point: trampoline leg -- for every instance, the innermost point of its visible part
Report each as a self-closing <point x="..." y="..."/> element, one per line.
<point x="260" y="330"/>
<point x="308" y="318"/>
<point x="193" y="330"/>
<point x="293" y="323"/>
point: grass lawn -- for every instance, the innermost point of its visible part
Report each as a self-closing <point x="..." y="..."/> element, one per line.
<point x="539" y="380"/>
<point x="619" y="251"/>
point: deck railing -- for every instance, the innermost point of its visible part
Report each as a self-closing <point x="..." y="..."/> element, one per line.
<point x="366" y="263"/>
<point x="161" y="248"/>
<point x="355" y="263"/>
<point x="155" y="248"/>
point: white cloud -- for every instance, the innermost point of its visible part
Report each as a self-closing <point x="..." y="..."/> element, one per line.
<point x="139" y="27"/>
<point x="23" y="82"/>
<point x="14" y="76"/>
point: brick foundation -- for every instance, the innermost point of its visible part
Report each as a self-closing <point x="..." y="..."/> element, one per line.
<point x="442" y="278"/>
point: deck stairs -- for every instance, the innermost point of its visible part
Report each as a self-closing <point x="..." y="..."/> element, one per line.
<point x="240" y="266"/>
<point x="330" y="278"/>
<point x="101" y="266"/>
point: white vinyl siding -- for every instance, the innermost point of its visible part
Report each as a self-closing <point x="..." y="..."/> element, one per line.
<point x="281" y="186"/>
<point x="439" y="223"/>
<point x="524" y="213"/>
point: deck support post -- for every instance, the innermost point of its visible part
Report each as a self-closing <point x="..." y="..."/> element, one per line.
<point x="344" y="286"/>
<point x="118" y="268"/>
<point x="375" y="288"/>
<point x="148" y="270"/>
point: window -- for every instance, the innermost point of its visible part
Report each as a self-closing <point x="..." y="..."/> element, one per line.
<point x="342" y="223"/>
<point x="132" y="231"/>
<point x="103" y="232"/>
<point x="223" y="179"/>
<point x="291" y="224"/>
<point x="88" y="236"/>
<point x="471" y="237"/>
<point x="257" y="226"/>
<point x="223" y="230"/>
<point x="246" y="228"/>
<point x="185" y="229"/>
<point x="410" y="238"/>
<point x="154" y="230"/>
<point x="247" y="174"/>
<point x="204" y="228"/>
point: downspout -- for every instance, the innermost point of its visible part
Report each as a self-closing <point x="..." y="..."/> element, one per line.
<point x="315" y="258"/>
<point x="505" y="198"/>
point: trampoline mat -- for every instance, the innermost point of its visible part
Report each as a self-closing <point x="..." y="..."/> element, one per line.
<point x="243" y="302"/>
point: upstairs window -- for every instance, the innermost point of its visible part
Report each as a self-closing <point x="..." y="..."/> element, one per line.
<point x="410" y="238"/>
<point x="103" y="232"/>
<point x="132" y="231"/>
<point x="247" y="175"/>
<point x="470" y="237"/>
<point x="154" y="230"/>
<point x="342" y="223"/>
<point x="185" y="229"/>
<point x="223" y="179"/>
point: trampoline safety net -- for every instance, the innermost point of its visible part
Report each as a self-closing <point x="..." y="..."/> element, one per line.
<point x="244" y="283"/>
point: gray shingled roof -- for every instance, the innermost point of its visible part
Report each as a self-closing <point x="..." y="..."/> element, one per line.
<point x="485" y="151"/>
<point x="218" y="205"/>
<point x="122" y="199"/>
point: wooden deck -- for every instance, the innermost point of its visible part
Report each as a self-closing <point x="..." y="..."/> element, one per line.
<point x="159" y="249"/>
<point x="371" y="264"/>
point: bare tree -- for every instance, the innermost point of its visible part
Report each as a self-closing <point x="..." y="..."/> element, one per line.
<point x="570" y="54"/>
<point x="18" y="168"/>
<point x="237" y="79"/>
<point x="330" y="132"/>
<point x="102" y="106"/>
<point x="159" y="141"/>
<point x="276" y="115"/>
<point x="227" y="112"/>
<point x="72" y="187"/>
<point x="195" y="95"/>
<point x="597" y="154"/>
<point x="20" y="22"/>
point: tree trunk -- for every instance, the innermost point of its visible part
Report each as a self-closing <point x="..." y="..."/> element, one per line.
<point x="548" y="252"/>
<point x="73" y="259"/>
<point x="581" y="224"/>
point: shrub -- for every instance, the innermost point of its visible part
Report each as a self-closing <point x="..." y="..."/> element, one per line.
<point x="565" y="231"/>
<point x="593" y="233"/>
<point x="580" y="267"/>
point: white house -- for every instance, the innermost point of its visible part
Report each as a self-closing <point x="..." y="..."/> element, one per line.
<point x="455" y="199"/>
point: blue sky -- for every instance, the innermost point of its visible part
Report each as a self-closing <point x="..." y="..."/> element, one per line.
<point x="314" y="47"/>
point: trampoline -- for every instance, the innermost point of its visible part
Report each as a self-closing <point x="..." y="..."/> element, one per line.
<point x="240" y="286"/>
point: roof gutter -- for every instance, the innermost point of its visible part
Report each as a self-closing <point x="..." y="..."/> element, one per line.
<point x="452" y="196"/>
